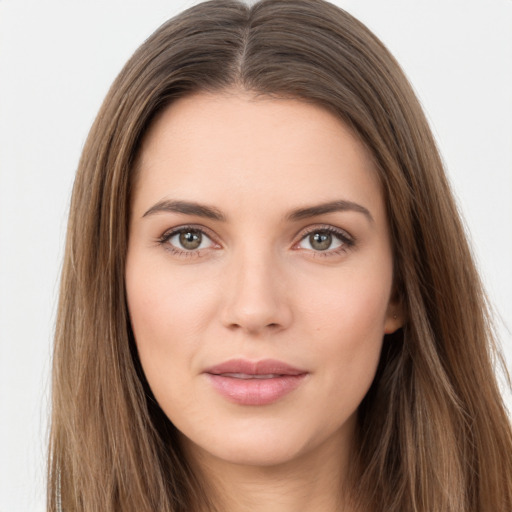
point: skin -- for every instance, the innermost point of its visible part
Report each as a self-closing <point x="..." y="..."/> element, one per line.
<point x="258" y="287"/>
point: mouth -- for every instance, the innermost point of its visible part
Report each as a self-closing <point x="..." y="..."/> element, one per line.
<point x="246" y="376"/>
<point x="254" y="383"/>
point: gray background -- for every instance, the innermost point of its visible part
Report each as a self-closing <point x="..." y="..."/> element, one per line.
<point x="57" y="60"/>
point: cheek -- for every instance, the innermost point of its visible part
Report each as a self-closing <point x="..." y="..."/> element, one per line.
<point x="350" y="302"/>
<point x="164" y="313"/>
<point x="167" y="314"/>
<point x="164" y="304"/>
<point x="346" y="320"/>
<point x="349" y="332"/>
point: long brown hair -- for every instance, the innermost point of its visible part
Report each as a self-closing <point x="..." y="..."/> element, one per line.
<point x="433" y="432"/>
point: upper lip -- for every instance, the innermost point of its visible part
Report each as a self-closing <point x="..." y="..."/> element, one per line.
<point x="262" y="367"/>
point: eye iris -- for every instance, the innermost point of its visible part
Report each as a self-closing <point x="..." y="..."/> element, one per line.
<point x="191" y="239"/>
<point x="320" y="241"/>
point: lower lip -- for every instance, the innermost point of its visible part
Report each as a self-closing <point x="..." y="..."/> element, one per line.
<point x="255" y="391"/>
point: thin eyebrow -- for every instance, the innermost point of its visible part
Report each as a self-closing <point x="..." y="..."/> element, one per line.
<point x="187" y="208"/>
<point x="330" y="207"/>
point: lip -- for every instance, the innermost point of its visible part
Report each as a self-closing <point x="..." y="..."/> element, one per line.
<point x="254" y="382"/>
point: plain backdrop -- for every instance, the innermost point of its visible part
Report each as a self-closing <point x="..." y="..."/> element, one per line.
<point x="57" y="60"/>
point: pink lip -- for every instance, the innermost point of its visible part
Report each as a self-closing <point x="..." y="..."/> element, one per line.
<point x="237" y="380"/>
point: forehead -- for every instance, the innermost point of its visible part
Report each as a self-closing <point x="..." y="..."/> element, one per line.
<point x="235" y="146"/>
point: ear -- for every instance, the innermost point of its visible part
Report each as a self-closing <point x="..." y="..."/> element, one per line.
<point x="395" y="317"/>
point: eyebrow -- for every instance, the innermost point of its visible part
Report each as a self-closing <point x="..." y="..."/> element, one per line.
<point x="330" y="207"/>
<point x="210" y="212"/>
<point x="187" y="208"/>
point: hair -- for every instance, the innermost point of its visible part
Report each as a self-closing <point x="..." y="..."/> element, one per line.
<point x="433" y="431"/>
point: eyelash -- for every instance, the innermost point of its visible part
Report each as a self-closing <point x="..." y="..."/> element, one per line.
<point x="347" y="241"/>
<point x="164" y="241"/>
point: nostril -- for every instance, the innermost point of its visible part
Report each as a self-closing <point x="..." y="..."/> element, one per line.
<point x="274" y="326"/>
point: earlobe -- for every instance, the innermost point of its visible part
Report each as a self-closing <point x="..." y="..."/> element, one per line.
<point x="394" y="318"/>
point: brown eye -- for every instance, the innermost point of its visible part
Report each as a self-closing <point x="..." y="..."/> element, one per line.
<point x="191" y="239"/>
<point x="320" y="241"/>
<point x="325" y="240"/>
<point x="188" y="240"/>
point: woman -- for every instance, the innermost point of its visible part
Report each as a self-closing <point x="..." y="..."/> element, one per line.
<point x="268" y="302"/>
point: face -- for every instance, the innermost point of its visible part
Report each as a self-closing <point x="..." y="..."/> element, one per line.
<point x="259" y="275"/>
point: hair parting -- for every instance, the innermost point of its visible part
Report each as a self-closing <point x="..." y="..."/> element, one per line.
<point x="433" y="431"/>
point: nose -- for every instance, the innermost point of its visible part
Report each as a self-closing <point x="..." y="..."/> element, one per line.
<point x="256" y="295"/>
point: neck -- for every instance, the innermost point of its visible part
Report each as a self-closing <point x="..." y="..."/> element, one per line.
<point x="311" y="482"/>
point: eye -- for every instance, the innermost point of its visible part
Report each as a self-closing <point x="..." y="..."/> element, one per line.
<point x="325" y="240"/>
<point x="187" y="240"/>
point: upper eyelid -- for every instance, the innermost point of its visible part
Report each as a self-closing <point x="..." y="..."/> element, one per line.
<point x="324" y="227"/>
<point x="193" y="227"/>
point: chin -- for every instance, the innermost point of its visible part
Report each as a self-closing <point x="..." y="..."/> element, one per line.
<point x="263" y="445"/>
<point x="254" y="453"/>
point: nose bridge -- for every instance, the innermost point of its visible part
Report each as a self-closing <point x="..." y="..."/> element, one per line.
<point x="256" y="290"/>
